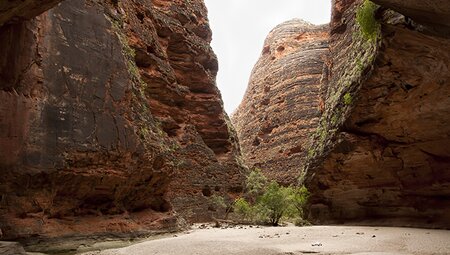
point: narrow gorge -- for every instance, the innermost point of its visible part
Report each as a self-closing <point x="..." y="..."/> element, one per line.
<point x="112" y="126"/>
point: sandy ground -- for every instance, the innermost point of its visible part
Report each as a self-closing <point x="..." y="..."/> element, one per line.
<point x="294" y="240"/>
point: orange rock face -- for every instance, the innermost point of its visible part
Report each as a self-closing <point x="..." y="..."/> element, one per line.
<point x="281" y="107"/>
<point x="180" y="71"/>
<point x="381" y="154"/>
<point x="110" y="120"/>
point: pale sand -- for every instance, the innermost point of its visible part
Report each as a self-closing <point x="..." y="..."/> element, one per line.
<point x="295" y="240"/>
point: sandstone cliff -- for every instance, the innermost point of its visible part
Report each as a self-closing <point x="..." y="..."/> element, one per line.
<point x="19" y="11"/>
<point x="380" y="154"/>
<point x="433" y="16"/>
<point x="110" y="120"/>
<point x="379" y="151"/>
<point x="280" y="109"/>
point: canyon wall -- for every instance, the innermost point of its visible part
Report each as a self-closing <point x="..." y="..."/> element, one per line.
<point x="433" y="16"/>
<point x="110" y="120"/>
<point x="19" y="11"/>
<point x="380" y="155"/>
<point x="376" y="152"/>
<point x="280" y="109"/>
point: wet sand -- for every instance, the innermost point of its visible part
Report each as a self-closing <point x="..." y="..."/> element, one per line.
<point x="294" y="240"/>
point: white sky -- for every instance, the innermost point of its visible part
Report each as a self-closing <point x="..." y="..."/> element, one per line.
<point x="239" y="29"/>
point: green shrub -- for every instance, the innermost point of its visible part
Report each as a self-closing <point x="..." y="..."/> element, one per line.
<point x="365" y="16"/>
<point x="243" y="208"/>
<point x="301" y="223"/>
<point x="298" y="198"/>
<point x="256" y="182"/>
<point x="218" y="202"/>
<point x="272" y="202"/>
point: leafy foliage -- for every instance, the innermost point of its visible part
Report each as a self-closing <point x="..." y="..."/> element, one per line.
<point x="365" y="16"/>
<point x="256" y="182"/>
<point x="270" y="202"/>
<point x="243" y="208"/>
<point x="218" y="202"/>
<point x="274" y="203"/>
<point x="299" y="198"/>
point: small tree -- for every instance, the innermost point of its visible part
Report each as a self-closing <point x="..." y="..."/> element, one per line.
<point x="270" y="201"/>
<point x="298" y="197"/>
<point x="273" y="203"/>
<point x="256" y="183"/>
<point x="220" y="206"/>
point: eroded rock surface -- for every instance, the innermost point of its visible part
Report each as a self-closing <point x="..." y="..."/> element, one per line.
<point x="381" y="154"/>
<point x="433" y="14"/>
<point x="11" y="248"/>
<point x="180" y="72"/>
<point x="281" y="107"/>
<point x="110" y="120"/>
<point x="14" y="11"/>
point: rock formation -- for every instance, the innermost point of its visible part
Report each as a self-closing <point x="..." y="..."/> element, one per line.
<point x="433" y="15"/>
<point x="381" y="154"/>
<point x="280" y="109"/>
<point x="110" y="120"/>
<point x="11" y="248"/>
<point x="19" y="11"/>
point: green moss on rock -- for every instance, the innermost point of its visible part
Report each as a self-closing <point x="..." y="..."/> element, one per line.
<point x="365" y="16"/>
<point x="348" y="99"/>
<point x="346" y="82"/>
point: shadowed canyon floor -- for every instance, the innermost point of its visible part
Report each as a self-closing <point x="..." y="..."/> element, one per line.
<point x="294" y="240"/>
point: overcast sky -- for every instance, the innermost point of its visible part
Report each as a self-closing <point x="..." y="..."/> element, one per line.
<point x="239" y="29"/>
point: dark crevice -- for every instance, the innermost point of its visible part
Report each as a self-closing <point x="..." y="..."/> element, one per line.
<point x="367" y="121"/>
<point x="372" y="136"/>
<point x="437" y="158"/>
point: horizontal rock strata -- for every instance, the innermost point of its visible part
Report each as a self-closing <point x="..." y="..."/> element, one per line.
<point x="280" y="109"/>
<point x="380" y="154"/>
<point x="110" y="120"/>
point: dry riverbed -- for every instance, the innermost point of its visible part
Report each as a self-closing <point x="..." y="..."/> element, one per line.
<point x="292" y="241"/>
